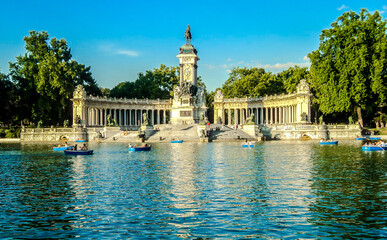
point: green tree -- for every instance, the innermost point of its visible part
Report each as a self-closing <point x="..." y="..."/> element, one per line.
<point x="251" y="82"/>
<point x="348" y="69"/>
<point x="292" y="76"/>
<point x="6" y="98"/>
<point x="153" y="84"/>
<point x="45" y="78"/>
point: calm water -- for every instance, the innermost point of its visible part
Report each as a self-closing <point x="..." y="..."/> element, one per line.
<point x="194" y="190"/>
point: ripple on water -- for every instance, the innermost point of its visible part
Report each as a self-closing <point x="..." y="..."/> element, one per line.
<point x="278" y="189"/>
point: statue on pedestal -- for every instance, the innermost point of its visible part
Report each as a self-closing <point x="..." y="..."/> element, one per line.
<point x="250" y="120"/>
<point x="145" y="120"/>
<point x="111" y="122"/>
<point x="188" y="35"/>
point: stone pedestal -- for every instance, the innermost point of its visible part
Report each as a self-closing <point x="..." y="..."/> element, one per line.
<point x="147" y="130"/>
<point x="253" y="131"/>
<point x="201" y="131"/>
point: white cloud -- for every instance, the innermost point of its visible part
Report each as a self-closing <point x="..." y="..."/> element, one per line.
<point x="127" y="53"/>
<point x="342" y="7"/>
<point x="280" y="66"/>
<point x="229" y="59"/>
<point x="210" y="66"/>
<point x="306" y="58"/>
<point x="226" y="65"/>
<point x="112" y="49"/>
<point x="385" y="7"/>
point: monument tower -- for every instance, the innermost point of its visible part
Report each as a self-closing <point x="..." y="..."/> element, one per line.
<point x="189" y="102"/>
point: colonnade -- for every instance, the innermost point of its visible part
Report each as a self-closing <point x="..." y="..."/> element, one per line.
<point x="125" y="117"/>
<point x="262" y="115"/>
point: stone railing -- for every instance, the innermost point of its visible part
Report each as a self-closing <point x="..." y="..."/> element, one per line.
<point x="256" y="99"/>
<point x="130" y="100"/>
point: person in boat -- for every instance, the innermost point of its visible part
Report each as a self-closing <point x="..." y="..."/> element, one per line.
<point x="130" y="145"/>
<point x="75" y="147"/>
<point x="250" y="143"/>
<point x="331" y="139"/>
<point x="66" y="145"/>
<point x="84" y="147"/>
<point x="322" y="140"/>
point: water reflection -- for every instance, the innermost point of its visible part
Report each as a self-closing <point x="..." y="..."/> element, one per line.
<point x="35" y="193"/>
<point x="350" y="188"/>
<point x="276" y="190"/>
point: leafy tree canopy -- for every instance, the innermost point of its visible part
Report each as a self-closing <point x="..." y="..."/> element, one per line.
<point x="348" y="69"/>
<point x="153" y="84"/>
<point x="45" y="78"/>
<point x="257" y="82"/>
<point x="6" y="98"/>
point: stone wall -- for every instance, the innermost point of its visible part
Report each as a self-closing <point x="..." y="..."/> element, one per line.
<point x="312" y="131"/>
<point x="52" y="134"/>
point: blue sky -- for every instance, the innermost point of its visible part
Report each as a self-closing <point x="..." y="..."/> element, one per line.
<point x="119" y="39"/>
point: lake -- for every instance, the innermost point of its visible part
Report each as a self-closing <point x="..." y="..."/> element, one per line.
<point x="278" y="189"/>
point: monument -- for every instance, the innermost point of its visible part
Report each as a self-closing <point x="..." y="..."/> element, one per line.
<point x="189" y="100"/>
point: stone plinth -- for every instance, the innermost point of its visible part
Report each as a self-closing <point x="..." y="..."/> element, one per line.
<point x="253" y="131"/>
<point x="147" y="130"/>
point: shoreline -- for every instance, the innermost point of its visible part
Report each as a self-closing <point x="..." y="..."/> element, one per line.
<point x="17" y="140"/>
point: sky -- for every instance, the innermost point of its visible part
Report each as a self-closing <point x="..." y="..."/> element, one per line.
<point x="119" y="39"/>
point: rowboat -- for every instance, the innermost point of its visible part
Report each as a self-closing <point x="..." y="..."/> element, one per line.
<point x="78" y="152"/>
<point x="247" y="145"/>
<point x="138" y="149"/>
<point x="329" y="143"/>
<point x="374" y="148"/>
<point x="81" y="140"/>
<point x="360" y="138"/>
<point x="61" y="148"/>
<point x="176" y="141"/>
<point x="374" y="138"/>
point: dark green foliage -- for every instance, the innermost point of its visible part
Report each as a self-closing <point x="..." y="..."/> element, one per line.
<point x="348" y="69"/>
<point x="6" y="98"/>
<point x="45" y="78"/>
<point x="156" y="83"/>
<point x="256" y="82"/>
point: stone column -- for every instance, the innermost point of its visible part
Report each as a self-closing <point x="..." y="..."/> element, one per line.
<point x="153" y="117"/>
<point x="158" y="116"/>
<point x="165" y="116"/>
<point x="229" y="116"/>
<point x="235" y="116"/>
<point x="223" y="116"/>
<point x="135" y="117"/>
<point x="262" y="115"/>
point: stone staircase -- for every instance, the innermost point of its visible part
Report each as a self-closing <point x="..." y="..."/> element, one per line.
<point x="188" y="133"/>
<point x="228" y="134"/>
<point x="168" y="132"/>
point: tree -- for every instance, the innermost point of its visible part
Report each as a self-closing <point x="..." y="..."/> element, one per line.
<point x="292" y="76"/>
<point x="6" y="98"/>
<point x="251" y="82"/>
<point x="153" y="84"/>
<point x="45" y="78"/>
<point x="348" y="69"/>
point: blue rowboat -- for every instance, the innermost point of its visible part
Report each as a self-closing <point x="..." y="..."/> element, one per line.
<point x="246" y="146"/>
<point x="360" y="138"/>
<point x="78" y="152"/>
<point x="329" y="143"/>
<point x="61" y="148"/>
<point x="177" y="141"/>
<point x="374" y="148"/>
<point x="374" y="138"/>
<point x="80" y="140"/>
<point x="138" y="149"/>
